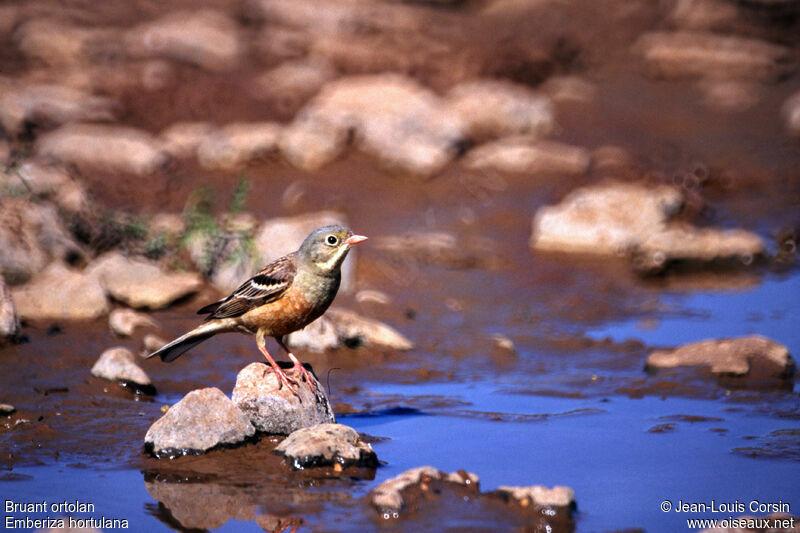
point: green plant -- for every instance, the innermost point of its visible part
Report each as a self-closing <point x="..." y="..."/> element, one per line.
<point x="219" y="243"/>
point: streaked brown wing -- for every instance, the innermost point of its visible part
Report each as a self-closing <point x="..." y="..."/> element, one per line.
<point x="266" y="286"/>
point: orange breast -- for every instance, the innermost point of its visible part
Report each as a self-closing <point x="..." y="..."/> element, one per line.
<point x="290" y="312"/>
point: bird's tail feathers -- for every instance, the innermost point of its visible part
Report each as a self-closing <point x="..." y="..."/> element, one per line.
<point x="184" y="343"/>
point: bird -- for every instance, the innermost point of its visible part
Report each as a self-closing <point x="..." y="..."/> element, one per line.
<point x="284" y="296"/>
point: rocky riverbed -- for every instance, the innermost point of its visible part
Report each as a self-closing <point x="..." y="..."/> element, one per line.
<point x="579" y="299"/>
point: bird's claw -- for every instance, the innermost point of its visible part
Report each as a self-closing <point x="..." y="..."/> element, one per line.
<point x="290" y="383"/>
<point x="298" y="367"/>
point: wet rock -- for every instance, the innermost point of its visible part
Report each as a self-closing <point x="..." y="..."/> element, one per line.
<point x="279" y="236"/>
<point x="399" y="494"/>
<point x="605" y="219"/>
<point x="112" y="148"/>
<point x="23" y="104"/>
<point x="61" y="293"/>
<point x="7" y="409"/>
<point x="339" y="327"/>
<point x="182" y="139"/>
<point x="118" y="364"/>
<point x="326" y="445"/>
<point x="202" y="420"/>
<point x="529" y="155"/>
<point x="152" y="342"/>
<point x="702" y="54"/>
<point x="743" y="356"/>
<point x="274" y="409"/>
<point x="634" y="220"/>
<point x="440" y="248"/>
<point x="687" y="244"/>
<point x="31" y="236"/>
<point x="791" y="114"/>
<point x="139" y="283"/>
<point x="238" y="144"/>
<point x="537" y="495"/>
<point x="9" y="323"/>
<point x="292" y="83"/>
<point x="206" y="38"/>
<point x="54" y="43"/>
<point x="389" y="116"/>
<point x="124" y="321"/>
<point x="495" y="108"/>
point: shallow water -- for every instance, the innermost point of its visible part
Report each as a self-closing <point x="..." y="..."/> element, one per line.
<point x="622" y="439"/>
<point x="571" y="405"/>
<point x="768" y="307"/>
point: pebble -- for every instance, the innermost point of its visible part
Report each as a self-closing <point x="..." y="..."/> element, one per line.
<point x="123" y="322"/>
<point x="118" y="364"/>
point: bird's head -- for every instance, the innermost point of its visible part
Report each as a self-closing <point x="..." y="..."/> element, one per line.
<point x="326" y="247"/>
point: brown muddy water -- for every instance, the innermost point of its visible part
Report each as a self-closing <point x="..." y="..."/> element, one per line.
<point x="571" y="405"/>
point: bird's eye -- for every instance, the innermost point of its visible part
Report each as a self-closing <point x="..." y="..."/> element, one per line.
<point x="332" y="240"/>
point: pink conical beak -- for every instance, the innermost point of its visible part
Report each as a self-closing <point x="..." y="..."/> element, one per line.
<point x="355" y="239"/>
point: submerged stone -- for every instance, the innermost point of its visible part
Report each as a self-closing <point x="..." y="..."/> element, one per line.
<point x="326" y="445"/>
<point x="400" y="493"/>
<point x="743" y="356"/>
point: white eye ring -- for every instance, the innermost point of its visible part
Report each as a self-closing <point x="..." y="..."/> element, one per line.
<point x="331" y="240"/>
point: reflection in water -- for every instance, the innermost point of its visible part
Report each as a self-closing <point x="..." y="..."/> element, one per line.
<point x="206" y="492"/>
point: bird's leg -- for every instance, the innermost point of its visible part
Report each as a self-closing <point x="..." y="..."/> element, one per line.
<point x="298" y="366"/>
<point x="283" y="379"/>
